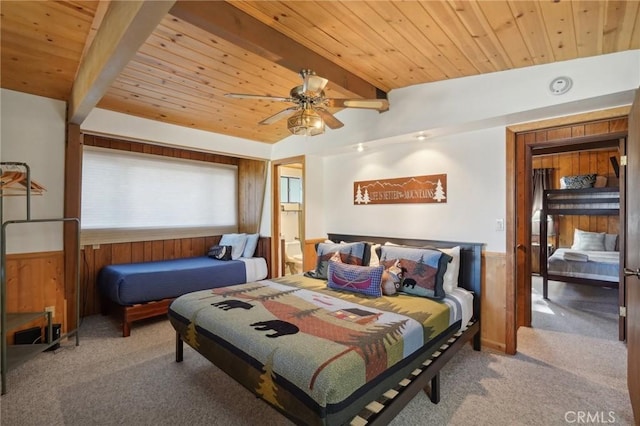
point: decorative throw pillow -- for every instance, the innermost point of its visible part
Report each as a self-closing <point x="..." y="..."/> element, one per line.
<point x="220" y="252"/>
<point x="392" y="279"/>
<point x="422" y="269"/>
<point x="578" y="181"/>
<point x="584" y="240"/>
<point x="250" y="246"/>
<point x="354" y="278"/>
<point x="350" y="253"/>
<point x="237" y="241"/>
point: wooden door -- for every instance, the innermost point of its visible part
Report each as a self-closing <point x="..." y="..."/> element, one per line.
<point x="632" y="256"/>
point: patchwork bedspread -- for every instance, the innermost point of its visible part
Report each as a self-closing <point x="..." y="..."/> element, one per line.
<point x="314" y="353"/>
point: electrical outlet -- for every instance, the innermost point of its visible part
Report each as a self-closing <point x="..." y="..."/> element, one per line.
<point x="499" y="224"/>
<point x="51" y="309"/>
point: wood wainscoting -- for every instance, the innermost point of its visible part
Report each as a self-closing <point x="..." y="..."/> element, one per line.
<point x="493" y="303"/>
<point x="36" y="281"/>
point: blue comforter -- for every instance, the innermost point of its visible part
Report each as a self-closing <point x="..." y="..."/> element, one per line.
<point x="128" y="284"/>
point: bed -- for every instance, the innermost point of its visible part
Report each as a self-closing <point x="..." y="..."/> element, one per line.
<point x="322" y="356"/>
<point x="593" y="258"/>
<point x="146" y="289"/>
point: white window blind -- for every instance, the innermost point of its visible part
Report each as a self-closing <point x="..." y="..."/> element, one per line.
<point x="129" y="190"/>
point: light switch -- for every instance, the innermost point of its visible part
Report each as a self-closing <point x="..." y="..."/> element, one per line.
<point x="499" y="224"/>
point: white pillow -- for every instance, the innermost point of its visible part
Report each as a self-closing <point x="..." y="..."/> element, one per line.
<point x="584" y="240"/>
<point x="374" y="260"/>
<point x="450" y="279"/>
<point x="237" y="243"/>
<point x="250" y="246"/>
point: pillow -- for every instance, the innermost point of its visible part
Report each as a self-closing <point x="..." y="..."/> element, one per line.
<point x="236" y="241"/>
<point x="578" y="181"/>
<point x="422" y="269"/>
<point x="392" y="279"/>
<point x="601" y="182"/>
<point x="220" y="252"/>
<point x="374" y="260"/>
<point x="250" y="246"/>
<point x="350" y="253"/>
<point x="610" y="242"/>
<point x="450" y="280"/>
<point x="364" y="280"/>
<point x="584" y="240"/>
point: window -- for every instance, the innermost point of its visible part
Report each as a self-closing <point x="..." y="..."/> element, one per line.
<point x="129" y="191"/>
<point x="290" y="189"/>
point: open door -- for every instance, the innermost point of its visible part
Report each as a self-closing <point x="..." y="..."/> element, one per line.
<point x="631" y="264"/>
<point x="287" y="225"/>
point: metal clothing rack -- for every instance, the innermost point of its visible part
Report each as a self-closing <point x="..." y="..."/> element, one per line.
<point x="13" y="355"/>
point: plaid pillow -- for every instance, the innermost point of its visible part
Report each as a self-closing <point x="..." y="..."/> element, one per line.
<point x="365" y="280"/>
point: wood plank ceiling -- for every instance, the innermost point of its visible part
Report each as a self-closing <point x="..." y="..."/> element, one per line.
<point x="203" y="50"/>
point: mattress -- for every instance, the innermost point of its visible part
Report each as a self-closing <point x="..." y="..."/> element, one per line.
<point x="133" y="283"/>
<point x="316" y="354"/>
<point x="596" y="265"/>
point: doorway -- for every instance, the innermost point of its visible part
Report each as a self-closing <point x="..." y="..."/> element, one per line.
<point x="288" y="216"/>
<point x="581" y="297"/>
<point x="521" y="140"/>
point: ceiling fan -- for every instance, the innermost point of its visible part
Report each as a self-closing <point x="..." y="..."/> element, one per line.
<point x="309" y="115"/>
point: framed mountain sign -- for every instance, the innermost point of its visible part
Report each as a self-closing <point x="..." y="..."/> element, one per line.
<point x="406" y="190"/>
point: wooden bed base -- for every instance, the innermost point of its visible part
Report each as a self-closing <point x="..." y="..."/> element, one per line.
<point x="137" y="312"/>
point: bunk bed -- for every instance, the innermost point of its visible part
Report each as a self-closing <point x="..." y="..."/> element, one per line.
<point x="591" y="264"/>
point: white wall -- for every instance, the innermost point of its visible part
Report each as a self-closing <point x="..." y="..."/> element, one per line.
<point x="474" y="165"/>
<point x="466" y="120"/>
<point x="33" y="132"/>
<point x="118" y="125"/>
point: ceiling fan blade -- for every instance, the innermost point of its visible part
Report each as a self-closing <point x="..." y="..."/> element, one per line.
<point x="258" y="97"/>
<point x="329" y="119"/>
<point x="279" y="115"/>
<point x="313" y="84"/>
<point x="379" y="104"/>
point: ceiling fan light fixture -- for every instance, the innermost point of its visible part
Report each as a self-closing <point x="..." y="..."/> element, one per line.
<point x="306" y="122"/>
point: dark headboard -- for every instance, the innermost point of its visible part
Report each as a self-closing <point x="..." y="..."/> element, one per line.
<point x="470" y="259"/>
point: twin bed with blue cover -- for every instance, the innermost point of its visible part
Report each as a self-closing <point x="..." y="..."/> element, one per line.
<point x="143" y="290"/>
<point x="322" y="351"/>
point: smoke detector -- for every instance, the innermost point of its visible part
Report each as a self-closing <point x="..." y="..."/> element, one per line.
<point x="560" y="85"/>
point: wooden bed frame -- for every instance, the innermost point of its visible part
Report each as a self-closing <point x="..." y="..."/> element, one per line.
<point x="584" y="202"/>
<point x="427" y="376"/>
<point x="131" y="313"/>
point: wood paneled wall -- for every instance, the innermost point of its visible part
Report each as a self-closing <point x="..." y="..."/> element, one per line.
<point x="580" y="163"/>
<point x="493" y="319"/>
<point x="252" y="180"/>
<point x="34" y="282"/>
<point x="145" y="148"/>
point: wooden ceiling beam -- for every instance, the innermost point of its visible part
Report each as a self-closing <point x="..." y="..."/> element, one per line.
<point x="223" y="20"/>
<point x="125" y="27"/>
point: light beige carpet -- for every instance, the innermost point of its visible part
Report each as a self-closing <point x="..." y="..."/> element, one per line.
<point x="109" y="380"/>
